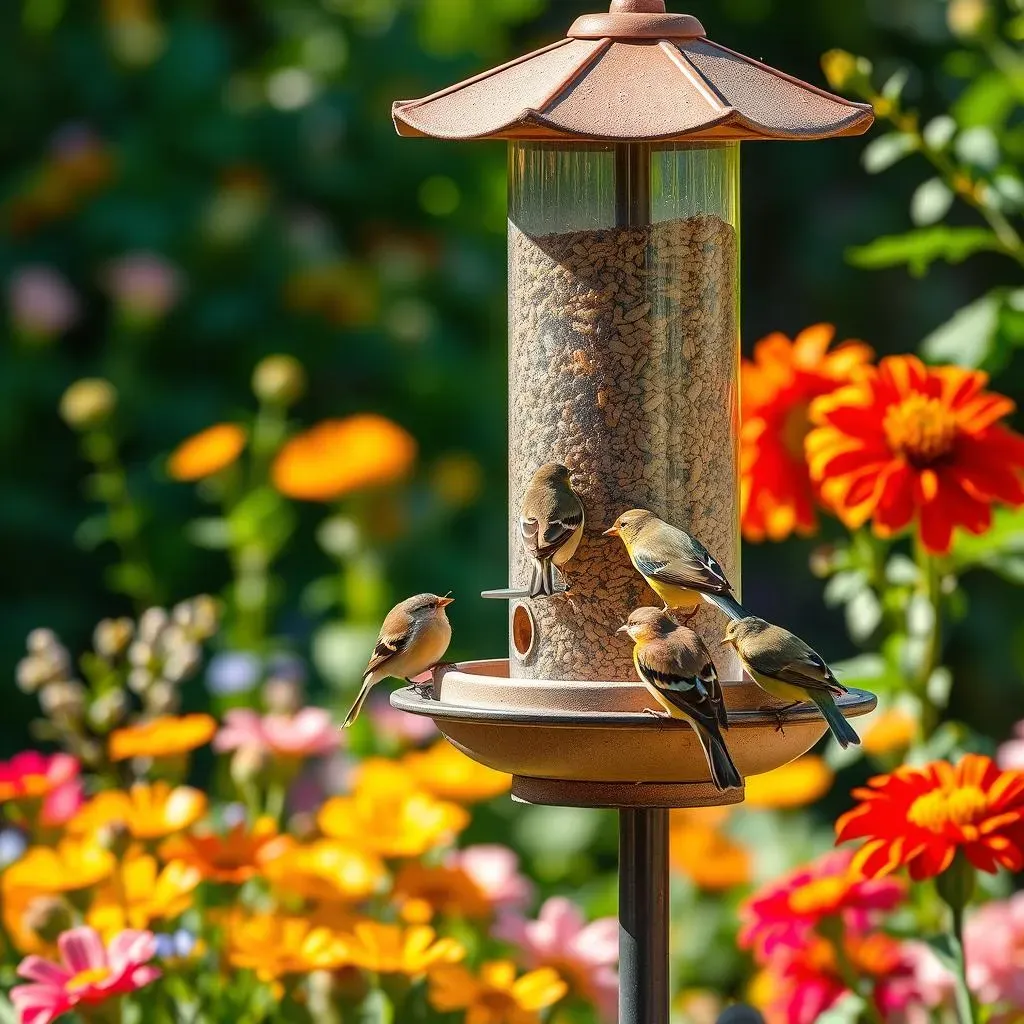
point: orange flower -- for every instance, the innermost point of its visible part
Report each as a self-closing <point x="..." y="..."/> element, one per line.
<point x="450" y="774"/>
<point x="339" y="456"/>
<point x="497" y="996"/>
<point x="796" y="784"/>
<point x="326" y="870"/>
<point x="233" y="858"/>
<point x="891" y="732"/>
<point x="920" y="817"/>
<point x="907" y="442"/>
<point x="778" y="386"/>
<point x="147" y="811"/>
<point x="274" y="945"/>
<point x="420" y="891"/>
<point x="700" y="851"/>
<point x="207" y="452"/>
<point x="391" y="949"/>
<point x="167" y="736"/>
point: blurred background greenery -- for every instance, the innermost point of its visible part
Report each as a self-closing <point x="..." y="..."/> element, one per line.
<point x="248" y="146"/>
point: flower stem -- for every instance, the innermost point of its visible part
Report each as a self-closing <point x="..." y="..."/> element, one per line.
<point x="956" y="886"/>
<point x="833" y="931"/>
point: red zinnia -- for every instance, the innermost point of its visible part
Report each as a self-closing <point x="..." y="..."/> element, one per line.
<point x="908" y="441"/>
<point x="920" y="817"/>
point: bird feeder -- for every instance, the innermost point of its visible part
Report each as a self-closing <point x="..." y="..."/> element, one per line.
<point x="623" y="247"/>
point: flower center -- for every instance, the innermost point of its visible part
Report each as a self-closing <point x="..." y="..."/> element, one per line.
<point x="920" y="428"/>
<point x="795" y="427"/>
<point x="498" y="1003"/>
<point x="90" y="976"/>
<point x="820" y="896"/>
<point x="934" y="811"/>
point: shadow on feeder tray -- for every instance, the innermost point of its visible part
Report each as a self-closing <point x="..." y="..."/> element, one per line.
<point x="592" y="744"/>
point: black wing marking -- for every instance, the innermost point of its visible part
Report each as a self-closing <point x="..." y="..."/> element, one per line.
<point x="556" y="532"/>
<point x="387" y="647"/>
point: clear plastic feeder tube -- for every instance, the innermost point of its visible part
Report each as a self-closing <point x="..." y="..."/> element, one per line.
<point x="624" y="365"/>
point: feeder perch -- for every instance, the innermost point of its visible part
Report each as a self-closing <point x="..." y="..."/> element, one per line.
<point x="623" y="219"/>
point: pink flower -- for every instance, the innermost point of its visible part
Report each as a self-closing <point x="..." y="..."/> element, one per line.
<point x="88" y="973"/>
<point x="494" y="870"/>
<point x="786" y="912"/>
<point x="1011" y="754"/>
<point x="42" y="303"/>
<point x="51" y="778"/>
<point x="399" y="726"/>
<point x="583" y="954"/>
<point x="308" y="733"/>
<point x="143" y="284"/>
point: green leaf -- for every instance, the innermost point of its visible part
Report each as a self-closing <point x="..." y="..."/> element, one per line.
<point x="863" y="614"/>
<point x="988" y="100"/>
<point x="968" y="337"/>
<point x="212" y="533"/>
<point x="931" y="202"/>
<point x="978" y="146"/>
<point x="919" y="249"/>
<point x="1000" y="549"/>
<point x="939" y="131"/>
<point x="946" y="950"/>
<point x="893" y="88"/>
<point x="881" y="153"/>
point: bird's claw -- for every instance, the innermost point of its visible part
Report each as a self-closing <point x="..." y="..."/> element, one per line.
<point x="424" y="689"/>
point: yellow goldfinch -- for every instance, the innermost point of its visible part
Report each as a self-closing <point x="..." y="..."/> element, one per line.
<point x="550" y="524"/>
<point x="673" y="663"/>
<point x="785" y="667"/>
<point x="413" y="637"/>
<point x="677" y="566"/>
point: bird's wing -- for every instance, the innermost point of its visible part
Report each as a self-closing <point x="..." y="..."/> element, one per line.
<point x="391" y="641"/>
<point x="544" y="537"/>
<point x="698" y="571"/>
<point x="689" y="691"/>
<point x="799" y="666"/>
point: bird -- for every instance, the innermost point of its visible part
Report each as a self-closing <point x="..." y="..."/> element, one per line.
<point x="550" y="525"/>
<point x="786" y="668"/>
<point x="678" y="568"/>
<point x="673" y="663"/>
<point x="413" y="638"/>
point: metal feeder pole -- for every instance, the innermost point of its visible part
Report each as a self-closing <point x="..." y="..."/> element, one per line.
<point x="643" y="832"/>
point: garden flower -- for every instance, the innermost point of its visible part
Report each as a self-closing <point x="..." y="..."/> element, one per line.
<point x="141" y="893"/>
<point x="42" y="303"/>
<point x="30" y="777"/>
<point x="582" y="954"/>
<point x="907" y="442"/>
<point x="920" y="817"/>
<point x="494" y="870"/>
<point x="337" y="457"/>
<point x="700" y="851"/>
<point x="401" y="727"/>
<point x="308" y="733"/>
<point x="274" y="945"/>
<point x="777" y="388"/>
<point x="233" y="858"/>
<point x="143" y="284"/>
<point x="392" y="949"/>
<point x="326" y="870"/>
<point x="893" y="731"/>
<point x="451" y="775"/>
<point x="88" y="974"/>
<point x="147" y="811"/>
<point x="233" y="672"/>
<point x="785" y="913"/>
<point x="420" y="891"/>
<point x="71" y="865"/>
<point x="1010" y="754"/>
<point x="167" y="736"/>
<point x="496" y="995"/>
<point x="389" y="815"/>
<point x="796" y="784"/>
<point x="207" y="452"/>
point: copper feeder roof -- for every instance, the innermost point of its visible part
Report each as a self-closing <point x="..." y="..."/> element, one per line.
<point x="635" y="73"/>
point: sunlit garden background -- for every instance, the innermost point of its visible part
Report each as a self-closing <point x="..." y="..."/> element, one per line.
<point x="253" y="393"/>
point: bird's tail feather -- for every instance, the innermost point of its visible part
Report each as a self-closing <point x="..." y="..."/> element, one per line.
<point x="357" y="706"/>
<point x="724" y="773"/>
<point x="728" y="604"/>
<point x="542" y="578"/>
<point x="841" y="728"/>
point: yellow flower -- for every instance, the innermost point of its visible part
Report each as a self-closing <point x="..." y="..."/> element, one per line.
<point x="796" y="784"/>
<point x="327" y="870"/>
<point x="457" y="479"/>
<point x="839" y="67"/>
<point x="147" y="811"/>
<point x="389" y="816"/>
<point x="497" y="996"/>
<point x="337" y="457"/>
<point x="207" y="452"/>
<point x="391" y="949"/>
<point x="891" y="732"/>
<point x="274" y="945"/>
<point x="699" y="850"/>
<point x="233" y="858"/>
<point x="88" y="403"/>
<point x="167" y="736"/>
<point x="450" y="774"/>
<point x="420" y="891"/>
<point x="138" y="893"/>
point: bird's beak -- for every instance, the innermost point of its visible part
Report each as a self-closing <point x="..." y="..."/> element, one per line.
<point x="622" y="629"/>
<point x="612" y="531"/>
<point x="445" y="601"/>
